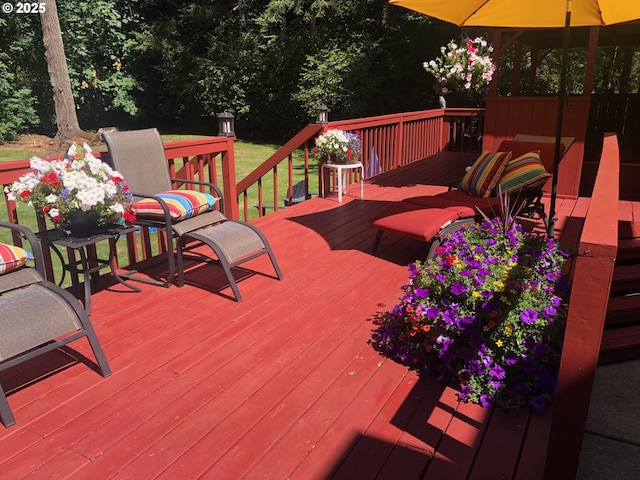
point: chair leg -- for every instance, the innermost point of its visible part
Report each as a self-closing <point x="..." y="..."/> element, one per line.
<point x="219" y="242"/>
<point x="180" y="263"/>
<point x="6" y="415"/>
<point x="267" y="248"/>
<point x="172" y="264"/>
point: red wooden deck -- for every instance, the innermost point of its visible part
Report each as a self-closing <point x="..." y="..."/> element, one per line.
<point x="282" y="385"/>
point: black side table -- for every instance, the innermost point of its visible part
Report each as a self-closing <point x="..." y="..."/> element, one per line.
<point x="89" y="262"/>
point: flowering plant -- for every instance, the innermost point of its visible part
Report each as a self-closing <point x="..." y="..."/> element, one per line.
<point x="340" y="146"/>
<point x="487" y="312"/>
<point x="59" y="188"/>
<point x="466" y="67"/>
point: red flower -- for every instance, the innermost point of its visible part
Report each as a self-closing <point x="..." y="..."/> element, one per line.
<point x="129" y="217"/>
<point x="24" y="194"/>
<point x="117" y="179"/>
<point x="46" y="209"/>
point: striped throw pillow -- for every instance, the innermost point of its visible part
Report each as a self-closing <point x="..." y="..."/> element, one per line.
<point x="182" y="204"/>
<point x="12" y="257"/>
<point x="484" y="174"/>
<point x="526" y="171"/>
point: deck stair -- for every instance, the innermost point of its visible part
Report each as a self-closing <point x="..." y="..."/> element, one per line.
<point x="621" y="337"/>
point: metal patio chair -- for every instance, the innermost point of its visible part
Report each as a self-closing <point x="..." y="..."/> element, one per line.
<point x="186" y="215"/>
<point x="36" y="316"/>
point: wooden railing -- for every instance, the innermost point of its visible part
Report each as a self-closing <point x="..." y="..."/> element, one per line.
<point x="206" y="159"/>
<point x="388" y="142"/>
<point x="592" y="275"/>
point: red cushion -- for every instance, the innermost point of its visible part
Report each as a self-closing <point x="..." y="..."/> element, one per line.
<point x="546" y="149"/>
<point x="413" y="221"/>
<point x="461" y="202"/>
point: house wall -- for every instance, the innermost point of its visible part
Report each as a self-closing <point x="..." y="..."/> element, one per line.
<point x="507" y="116"/>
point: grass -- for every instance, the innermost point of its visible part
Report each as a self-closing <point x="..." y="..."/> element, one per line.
<point x="248" y="155"/>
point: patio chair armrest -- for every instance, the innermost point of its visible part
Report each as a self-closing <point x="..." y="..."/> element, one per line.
<point x="165" y="208"/>
<point x="34" y="244"/>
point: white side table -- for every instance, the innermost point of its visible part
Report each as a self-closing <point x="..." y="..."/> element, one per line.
<point x="341" y="174"/>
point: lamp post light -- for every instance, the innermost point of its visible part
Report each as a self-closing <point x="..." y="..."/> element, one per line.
<point x="322" y="114"/>
<point x="225" y="125"/>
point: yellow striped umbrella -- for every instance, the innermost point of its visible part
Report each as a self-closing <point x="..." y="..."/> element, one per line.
<point x="532" y="14"/>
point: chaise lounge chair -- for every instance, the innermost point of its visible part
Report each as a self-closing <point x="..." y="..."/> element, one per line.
<point x="187" y="215"/>
<point x="37" y="316"/>
<point x="520" y="168"/>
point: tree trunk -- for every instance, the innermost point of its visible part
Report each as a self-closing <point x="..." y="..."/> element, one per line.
<point x="66" y="117"/>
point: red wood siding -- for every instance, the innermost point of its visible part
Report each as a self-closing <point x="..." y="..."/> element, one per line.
<point x="507" y="116"/>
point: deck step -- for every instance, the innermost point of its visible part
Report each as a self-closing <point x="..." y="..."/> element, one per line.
<point x="623" y="310"/>
<point x="628" y="250"/>
<point x="626" y="278"/>
<point x="620" y="345"/>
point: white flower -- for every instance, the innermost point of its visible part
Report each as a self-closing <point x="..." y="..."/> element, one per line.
<point x="465" y="67"/>
<point x="60" y="187"/>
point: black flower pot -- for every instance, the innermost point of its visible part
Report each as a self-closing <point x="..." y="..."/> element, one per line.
<point x="83" y="224"/>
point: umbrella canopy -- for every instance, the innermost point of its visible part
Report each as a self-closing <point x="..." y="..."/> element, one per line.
<point x="526" y="13"/>
<point x="532" y="14"/>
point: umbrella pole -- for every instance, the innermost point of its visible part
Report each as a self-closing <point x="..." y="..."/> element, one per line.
<point x="561" y="99"/>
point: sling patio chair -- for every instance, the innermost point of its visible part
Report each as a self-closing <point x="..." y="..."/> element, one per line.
<point x="189" y="216"/>
<point x="36" y="316"/>
<point x="519" y="169"/>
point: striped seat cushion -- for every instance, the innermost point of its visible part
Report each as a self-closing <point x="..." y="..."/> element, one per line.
<point x="484" y="174"/>
<point x="12" y="257"/>
<point x="525" y="171"/>
<point x="182" y="204"/>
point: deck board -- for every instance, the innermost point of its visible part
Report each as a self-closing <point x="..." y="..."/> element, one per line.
<point x="281" y="385"/>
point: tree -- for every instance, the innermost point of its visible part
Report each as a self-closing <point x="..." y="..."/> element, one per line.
<point x="66" y="117"/>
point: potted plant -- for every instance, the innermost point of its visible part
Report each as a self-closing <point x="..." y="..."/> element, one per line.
<point x="74" y="191"/>
<point x="486" y="313"/>
<point x="337" y="146"/>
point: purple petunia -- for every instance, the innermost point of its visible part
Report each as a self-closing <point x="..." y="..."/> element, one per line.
<point x="510" y="358"/>
<point x="422" y="292"/>
<point x="486" y="400"/>
<point x="549" y="311"/>
<point x="497" y="371"/>
<point x="529" y="316"/>
<point x="433" y="312"/>
<point x="458" y="288"/>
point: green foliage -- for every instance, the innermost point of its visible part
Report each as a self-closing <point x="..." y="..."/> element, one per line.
<point x="17" y="111"/>
<point x="17" y="105"/>
<point x="98" y="45"/>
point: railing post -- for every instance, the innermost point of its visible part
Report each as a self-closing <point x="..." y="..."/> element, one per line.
<point x="397" y="160"/>
<point x="232" y="210"/>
